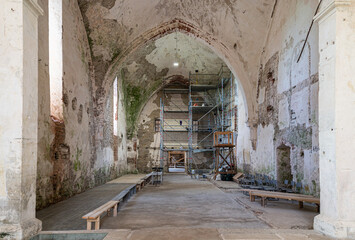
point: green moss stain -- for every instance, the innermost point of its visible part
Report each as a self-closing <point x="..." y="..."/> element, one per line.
<point x="77" y="164"/>
<point x="135" y="96"/>
<point x="299" y="176"/>
<point x="301" y="137"/>
<point x="115" y="52"/>
<point x="4" y="234"/>
<point x="268" y="170"/>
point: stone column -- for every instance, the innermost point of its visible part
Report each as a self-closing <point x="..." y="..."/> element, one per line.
<point x="336" y="21"/>
<point x="18" y="117"/>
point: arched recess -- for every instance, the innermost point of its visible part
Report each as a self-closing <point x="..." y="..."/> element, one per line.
<point x="247" y="89"/>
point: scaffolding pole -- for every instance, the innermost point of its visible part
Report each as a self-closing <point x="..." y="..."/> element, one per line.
<point x="208" y="106"/>
<point x="190" y="128"/>
<point x="161" y="133"/>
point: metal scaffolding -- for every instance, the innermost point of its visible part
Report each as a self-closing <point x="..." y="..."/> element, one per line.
<point x="190" y="127"/>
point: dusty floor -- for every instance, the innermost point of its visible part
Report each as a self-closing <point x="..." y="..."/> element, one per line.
<point x="184" y="208"/>
<point x="281" y="214"/>
<point x="183" y="202"/>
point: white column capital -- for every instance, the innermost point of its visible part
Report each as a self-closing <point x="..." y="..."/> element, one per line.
<point x="329" y="7"/>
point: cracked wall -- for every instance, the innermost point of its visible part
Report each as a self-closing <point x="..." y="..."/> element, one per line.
<point x="287" y="99"/>
<point x="116" y="29"/>
<point x="140" y="52"/>
<point x="142" y="74"/>
<point x="67" y="162"/>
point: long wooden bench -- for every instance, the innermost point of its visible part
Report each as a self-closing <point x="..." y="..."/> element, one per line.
<point x="125" y="194"/>
<point x="147" y="179"/>
<point x="139" y="185"/>
<point x="281" y="195"/>
<point x="94" y="216"/>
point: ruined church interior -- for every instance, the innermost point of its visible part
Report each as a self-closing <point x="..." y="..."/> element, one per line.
<point x="179" y="119"/>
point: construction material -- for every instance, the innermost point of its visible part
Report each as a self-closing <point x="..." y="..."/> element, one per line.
<point x="225" y="159"/>
<point x="237" y="176"/>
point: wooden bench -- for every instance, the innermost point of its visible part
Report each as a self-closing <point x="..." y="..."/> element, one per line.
<point x="125" y="194"/>
<point x="94" y="216"/>
<point x="139" y="185"/>
<point x="281" y="195"/>
<point x="147" y="179"/>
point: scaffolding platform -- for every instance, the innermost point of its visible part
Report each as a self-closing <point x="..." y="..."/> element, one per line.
<point x="209" y="110"/>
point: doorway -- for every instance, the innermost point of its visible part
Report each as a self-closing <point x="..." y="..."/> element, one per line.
<point x="176" y="161"/>
<point x="283" y="164"/>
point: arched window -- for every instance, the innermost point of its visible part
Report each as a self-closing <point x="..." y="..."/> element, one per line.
<point x="115" y="106"/>
<point x="56" y="57"/>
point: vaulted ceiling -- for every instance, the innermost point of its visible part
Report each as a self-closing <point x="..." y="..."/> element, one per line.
<point x="156" y="59"/>
<point x="112" y="25"/>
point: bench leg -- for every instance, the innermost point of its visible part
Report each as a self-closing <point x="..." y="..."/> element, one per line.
<point x="97" y="224"/>
<point x="115" y="211"/>
<point x="252" y="197"/>
<point x="263" y="201"/>
<point x="88" y="225"/>
<point x="318" y="208"/>
<point x="300" y="204"/>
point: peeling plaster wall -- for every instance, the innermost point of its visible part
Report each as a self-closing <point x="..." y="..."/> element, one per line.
<point x="112" y="26"/>
<point x="121" y="132"/>
<point x="236" y="30"/>
<point x="149" y="139"/>
<point x="244" y="147"/>
<point x="111" y="151"/>
<point x="66" y="156"/>
<point x="44" y="182"/>
<point x="142" y="73"/>
<point x="287" y="98"/>
<point x="145" y="71"/>
<point x="115" y="42"/>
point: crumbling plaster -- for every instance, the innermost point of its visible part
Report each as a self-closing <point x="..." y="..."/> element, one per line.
<point x="115" y="31"/>
<point x="143" y="72"/>
<point x="68" y="162"/>
<point x="287" y="98"/>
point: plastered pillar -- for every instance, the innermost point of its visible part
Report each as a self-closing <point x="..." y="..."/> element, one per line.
<point x="18" y="117"/>
<point x="336" y="21"/>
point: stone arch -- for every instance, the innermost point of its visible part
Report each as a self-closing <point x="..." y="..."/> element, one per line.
<point x="221" y="50"/>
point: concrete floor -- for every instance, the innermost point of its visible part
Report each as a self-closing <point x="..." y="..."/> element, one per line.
<point x="184" y="208"/>
<point x="183" y="202"/>
<point x="280" y="214"/>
